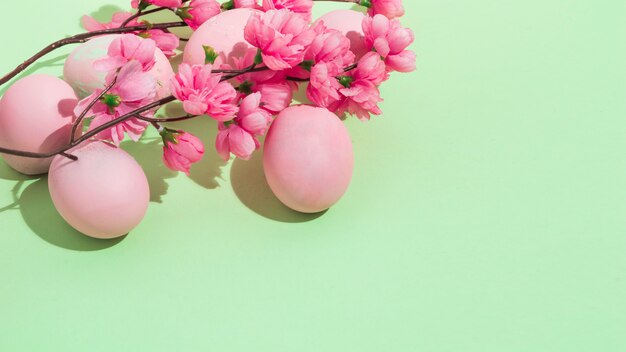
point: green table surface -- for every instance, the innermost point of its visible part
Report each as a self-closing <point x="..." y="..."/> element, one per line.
<point x="487" y="210"/>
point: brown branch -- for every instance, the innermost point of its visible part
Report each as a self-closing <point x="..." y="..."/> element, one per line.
<point x="81" y="38"/>
<point x="133" y="114"/>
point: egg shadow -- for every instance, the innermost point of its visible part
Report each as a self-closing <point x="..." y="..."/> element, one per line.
<point x="250" y="185"/>
<point x="42" y="218"/>
<point x="149" y="154"/>
<point x="7" y="173"/>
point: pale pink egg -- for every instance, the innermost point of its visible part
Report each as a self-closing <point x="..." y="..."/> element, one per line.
<point x="36" y="115"/>
<point x="224" y="33"/>
<point x="347" y="22"/>
<point x="103" y="194"/>
<point x="308" y="158"/>
<point x="85" y="79"/>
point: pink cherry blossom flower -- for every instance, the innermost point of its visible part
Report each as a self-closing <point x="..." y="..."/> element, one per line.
<point x="252" y="117"/>
<point x="371" y="68"/>
<point x="126" y="48"/>
<point x="133" y="89"/>
<point x="330" y="45"/>
<point x="282" y="36"/>
<point x="160" y="3"/>
<point x="388" y="8"/>
<point x="301" y="7"/>
<point x="324" y="87"/>
<point x="181" y="150"/>
<point x="276" y="91"/>
<point x="231" y="138"/>
<point x="240" y="135"/>
<point x="167" y="42"/>
<point x="360" y="99"/>
<point x="199" y="11"/>
<point x="201" y="92"/>
<point x="390" y="40"/>
<point x="360" y="95"/>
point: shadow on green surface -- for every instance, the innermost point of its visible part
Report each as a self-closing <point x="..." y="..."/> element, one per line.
<point x="250" y="186"/>
<point x="206" y="172"/>
<point x="104" y="13"/>
<point x="38" y="212"/>
<point x="149" y="152"/>
<point x="44" y="220"/>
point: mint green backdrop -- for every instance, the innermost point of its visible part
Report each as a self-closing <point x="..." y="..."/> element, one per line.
<point x="487" y="210"/>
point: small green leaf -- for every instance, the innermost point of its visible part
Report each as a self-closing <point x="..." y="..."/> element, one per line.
<point x="245" y="87"/>
<point x="183" y="13"/>
<point x="209" y="54"/>
<point x="258" y="59"/>
<point x="143" y="5"/>
<point x="228" y="5"/>
<point x="307" y="64"/>
<point x="345" y="81"/>
<point x="366" y="3"/>
<point x="169" y="135"/>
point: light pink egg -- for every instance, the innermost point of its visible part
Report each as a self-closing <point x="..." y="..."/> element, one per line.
<point x="308" y="158"/>
<point x="36" y="115"/>
<point x="79" y="72"/>
<point x="224" y="33"/>
<point x="347" y="22"/>
<point x="104" y="194"/>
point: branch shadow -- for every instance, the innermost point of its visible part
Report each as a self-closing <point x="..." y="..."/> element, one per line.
<point x="250" y="185"/>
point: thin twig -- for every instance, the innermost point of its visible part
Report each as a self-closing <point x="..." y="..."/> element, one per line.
<point x="80" y="118"/>
<point x="81" y="38"/>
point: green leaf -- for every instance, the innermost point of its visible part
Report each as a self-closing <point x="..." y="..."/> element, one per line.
<point x="209" y="54"/>
<point x="346" y="81"/>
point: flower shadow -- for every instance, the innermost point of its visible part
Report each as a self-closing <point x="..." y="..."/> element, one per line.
<point x="208" y="170"/>
<point x="104" y="13"/>
<point x="149" y="153"/>
<point x="250" y="185"/>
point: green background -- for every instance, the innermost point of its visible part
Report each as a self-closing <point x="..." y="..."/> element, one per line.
<point x="487" y="210"/>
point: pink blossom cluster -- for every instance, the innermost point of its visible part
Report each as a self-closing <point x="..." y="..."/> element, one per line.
<point x="287" y="51"/>
<point x="131" y="87"/>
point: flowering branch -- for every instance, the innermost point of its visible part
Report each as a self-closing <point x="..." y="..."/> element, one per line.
<point x="80" y="118"/>
<point x="133" y="114"/>
<point x="82" y="38"/>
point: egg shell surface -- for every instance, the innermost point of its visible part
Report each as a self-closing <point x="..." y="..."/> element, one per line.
<point x="104" y="194"/>
<point x="79" y="72"/>
<point x="349" y="23"/>
<point x="224" y="33"/>
<point x="36" y="115"/>
<point x="308" y="158"/>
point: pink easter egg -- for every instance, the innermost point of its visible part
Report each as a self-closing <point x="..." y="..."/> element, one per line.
<point x="224" y="33"/>
<point x="104" y="194"/>
<point x="36" y="115"/>
<point x="79" y="72"/>
<point x="308" y="158"/>
<point x="347" y="22"/>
